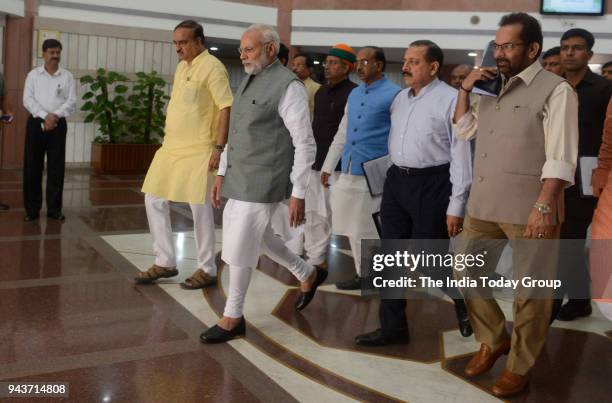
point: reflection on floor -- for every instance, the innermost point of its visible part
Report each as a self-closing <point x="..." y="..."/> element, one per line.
<point x="70" y="312"/>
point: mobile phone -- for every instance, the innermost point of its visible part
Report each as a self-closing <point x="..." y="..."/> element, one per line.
<point x="490" y="87"/>
<point x="7" y="118"/>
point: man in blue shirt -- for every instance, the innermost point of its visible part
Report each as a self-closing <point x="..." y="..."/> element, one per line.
<point x="362" y="136"/>
<point x="428" y="184"/>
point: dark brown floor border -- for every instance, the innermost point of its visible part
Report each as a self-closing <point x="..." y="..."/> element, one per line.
<point x="251" y="377"/>
<point x="216" y="298"/>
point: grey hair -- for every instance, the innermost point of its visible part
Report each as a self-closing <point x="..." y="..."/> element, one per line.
<point x="268" y="34"/>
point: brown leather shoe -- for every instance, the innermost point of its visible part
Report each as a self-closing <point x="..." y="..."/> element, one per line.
<point x="509" y="384"/>
<point x="485" y="358"/>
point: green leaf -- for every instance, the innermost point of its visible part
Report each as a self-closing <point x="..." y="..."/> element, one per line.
<point x="101" y="72"/>
<point x="95" y="86"/>
<point x="121" y="89"/>
<point x="89" y="118"/>
<point x="87" y="95"/>
<point x="87" y="106"/>
<point x="86" y="79"/>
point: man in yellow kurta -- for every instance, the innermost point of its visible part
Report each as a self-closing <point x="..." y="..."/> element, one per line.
<point x="196" y="132"/>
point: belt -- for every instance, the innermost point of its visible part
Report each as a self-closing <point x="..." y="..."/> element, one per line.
<point x="423" y="171"/>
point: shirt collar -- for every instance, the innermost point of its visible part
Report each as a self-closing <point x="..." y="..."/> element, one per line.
<point x="199" y="57"/>
<point x="428" y="88"/>
<point x="376" y="83"/>
<point x="529" y="73"/>
<point x="42" y="70"/>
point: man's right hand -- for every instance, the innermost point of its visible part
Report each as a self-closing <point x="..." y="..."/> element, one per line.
<point x="50" y="121"/>
<point x="215" y="193"/>
<point x="480" y="73"/>
<point x="325" y="179"/>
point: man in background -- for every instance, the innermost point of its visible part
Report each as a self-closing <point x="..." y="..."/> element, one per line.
<point x="606" y="71"/>
<point x="49" y="96"/>
<point x="458" y="74"/>
<point x="302" y="67"/>
<point x="593" y="95"/>
<point x="330" y="101"/>
<point x="551" y="61"/>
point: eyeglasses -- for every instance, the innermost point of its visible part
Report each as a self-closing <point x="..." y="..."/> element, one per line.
<point x="364" y="62"/>
<point x="249" y="49"/>
<point x="331" y="63"/>
<point x="505" y="46"/>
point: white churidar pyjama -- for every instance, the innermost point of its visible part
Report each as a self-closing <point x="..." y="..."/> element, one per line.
<point x="158" y="215"/>
<point x="247" y="233"/>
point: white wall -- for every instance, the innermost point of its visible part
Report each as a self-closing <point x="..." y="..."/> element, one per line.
<point x="450" y="30"/>
<point x="221" y="19"/>
<point x="13" y="7"/>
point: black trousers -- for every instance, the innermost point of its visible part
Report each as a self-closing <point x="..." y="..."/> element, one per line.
<point x="414" y="206"/>
<point x="573" y="270"/>
<point x="37" y="144"/>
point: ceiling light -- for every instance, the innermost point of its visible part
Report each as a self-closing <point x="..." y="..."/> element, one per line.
<point x="472" y="54"/>
<point x="317" y="62"/>
<point x="214" y="48"/>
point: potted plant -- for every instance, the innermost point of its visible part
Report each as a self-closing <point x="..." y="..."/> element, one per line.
<point x="129" y="129"/>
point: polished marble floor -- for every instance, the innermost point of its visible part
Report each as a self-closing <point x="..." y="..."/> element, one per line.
<point x="70" y="312"/>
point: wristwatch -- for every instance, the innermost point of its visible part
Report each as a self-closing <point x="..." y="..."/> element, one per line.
<point x="543" y="208"/>
<point x="219" y="147"/>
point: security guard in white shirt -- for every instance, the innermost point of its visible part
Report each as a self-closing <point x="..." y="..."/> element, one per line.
<point x="50" y="97"/>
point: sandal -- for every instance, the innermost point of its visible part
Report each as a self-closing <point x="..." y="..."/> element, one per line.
<point x="154" y="273"/>
<point x="198" y="280"/>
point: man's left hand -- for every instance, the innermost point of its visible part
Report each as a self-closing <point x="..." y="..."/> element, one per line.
<point x="215" y="158"/>
<point x="296" y="212"/>
<point x="454" y="225"/>
<point x="539" y="225"/>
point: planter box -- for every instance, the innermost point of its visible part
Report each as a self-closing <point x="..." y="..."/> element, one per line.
<point x="122" y="158"/>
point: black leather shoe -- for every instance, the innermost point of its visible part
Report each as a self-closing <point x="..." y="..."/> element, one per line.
<point x="352" y="284"/>
<point x="377" y="338"/>
<point x="217" y="334"/>
<point x="30" y="217"/>
<point x="463" y="319"/>
<point x="4" y="207"/>
<point x="575" y="308"/>
<point x="305" y="297"/>
<point x="56" y="216"/>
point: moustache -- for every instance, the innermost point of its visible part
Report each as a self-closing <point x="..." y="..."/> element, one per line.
<point x="502" y="61"/>
<point x="406" y="74"/>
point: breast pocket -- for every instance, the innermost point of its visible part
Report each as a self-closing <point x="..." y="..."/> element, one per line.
<point x="191" y="92"/>
<point x="524" y="152"/>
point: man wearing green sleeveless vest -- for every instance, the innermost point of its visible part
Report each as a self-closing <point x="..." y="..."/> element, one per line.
<point x="267" y="160"/>
<point x="526" y="151"/>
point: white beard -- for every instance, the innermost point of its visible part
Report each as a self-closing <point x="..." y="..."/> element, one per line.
<point x="257" y="66"/>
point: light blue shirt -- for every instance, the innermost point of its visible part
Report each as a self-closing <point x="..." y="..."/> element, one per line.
<point x="421" y="136"/>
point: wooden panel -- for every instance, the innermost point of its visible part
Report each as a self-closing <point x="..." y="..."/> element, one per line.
<point x="167" y="55"/>
<point x="102" y="44"/>
<point x="70" y="142"/>
<point x="83" y="52"/>
<point x="139" y="56"/>
<point x="79" y="140"/>
<point x="2" y="46"/>
<point x="34" y="47"/>
<point x="92" y="53"/>
<point x="148" y="57"/>
<point x="111" y="54"/>
<point x="130" y="54"/>
<point x="65" y="40"/>
<point x="73" y="54"/>
<point x="88" y="136"/>
<point x="109" y="158"/>
<point x="157" y="56"/>
<point x="121" y="45"/>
